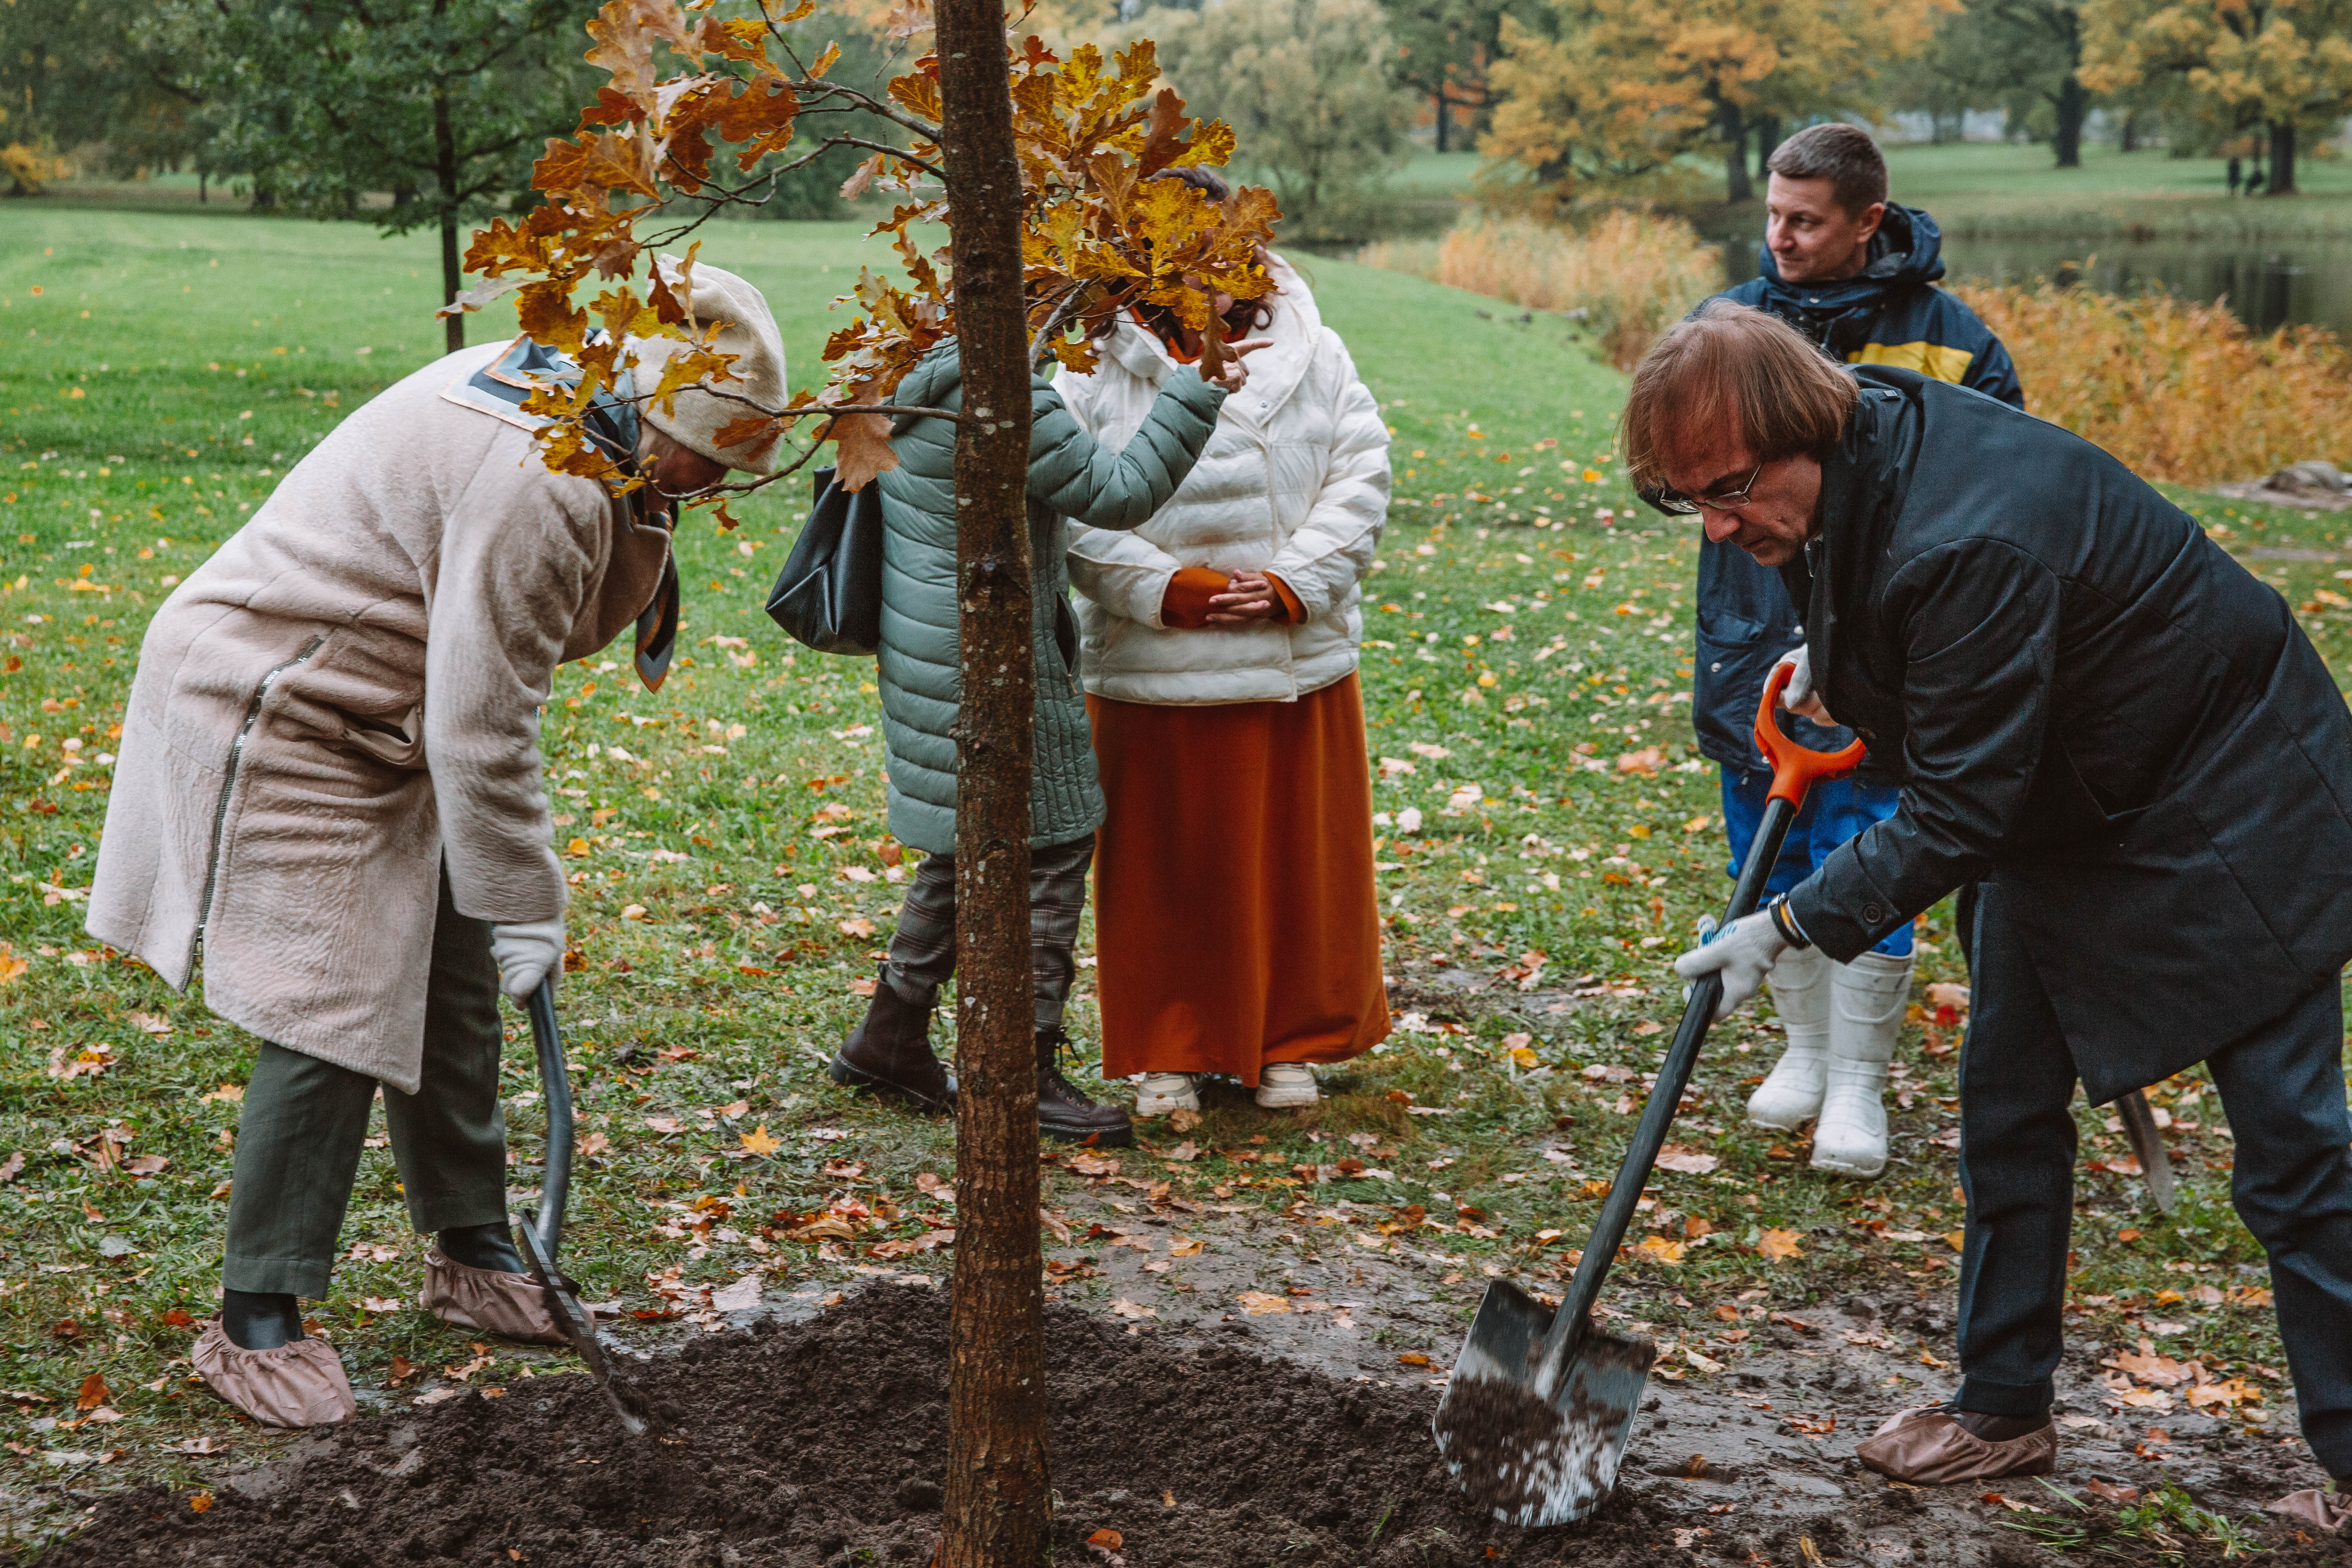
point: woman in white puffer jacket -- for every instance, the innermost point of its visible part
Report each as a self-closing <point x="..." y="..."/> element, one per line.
<point x="1237" y="916"/>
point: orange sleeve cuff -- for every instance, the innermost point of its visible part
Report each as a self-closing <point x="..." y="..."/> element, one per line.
<point x="1293" y="611"/>
<point x="1186" y="604"/>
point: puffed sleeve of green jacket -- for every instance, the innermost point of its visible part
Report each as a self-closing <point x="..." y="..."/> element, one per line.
<point x="1081" y="478"/>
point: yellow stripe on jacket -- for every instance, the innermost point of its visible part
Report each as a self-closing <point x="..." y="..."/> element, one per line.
<point x="1929" y="359"/>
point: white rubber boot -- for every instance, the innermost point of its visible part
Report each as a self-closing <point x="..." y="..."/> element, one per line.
<point x="1801" y="992"/>
<point x="1867" y="998"/>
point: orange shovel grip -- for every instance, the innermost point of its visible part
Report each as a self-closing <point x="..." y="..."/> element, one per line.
<point x="1796" y="768"/>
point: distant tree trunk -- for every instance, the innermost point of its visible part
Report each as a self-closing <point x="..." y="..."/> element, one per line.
<point x="998" y="1504"/>
<point x="2073" y="102"/>
<point x="1441" y="118"/>
<point x="1768" y="142"/>
<point x="1735" y="153"/>
<point x="444" y="173"/>
<point x="202" y="179"/>
<point x="2282" y="158"/>
<point x="2128" y="138"/>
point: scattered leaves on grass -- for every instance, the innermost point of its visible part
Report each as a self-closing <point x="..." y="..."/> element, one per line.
<point x="1689" y="1161"/>
<point x="1779" y="1244"/>
<point x="761" y="1141"/>
<point x="1660" y="1250"/>
<point x="1258" y="1303"/>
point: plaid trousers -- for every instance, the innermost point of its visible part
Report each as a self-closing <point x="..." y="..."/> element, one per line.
<point x="922" y="951"/>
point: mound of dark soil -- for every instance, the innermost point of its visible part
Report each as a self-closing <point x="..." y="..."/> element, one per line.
<point x="825" y="1443"/>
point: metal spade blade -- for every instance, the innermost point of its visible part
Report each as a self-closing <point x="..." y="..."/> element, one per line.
<point x="1529" y="1458"/>
<point x="2148" y="1142"/>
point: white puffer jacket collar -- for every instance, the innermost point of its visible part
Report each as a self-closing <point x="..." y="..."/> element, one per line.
<point x="1295" y="481"/>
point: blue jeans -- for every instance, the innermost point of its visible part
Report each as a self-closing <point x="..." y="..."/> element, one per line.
<point x="1833" y="812"/>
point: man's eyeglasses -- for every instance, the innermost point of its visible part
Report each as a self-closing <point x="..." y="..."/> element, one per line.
<point x="1673" y="503"/>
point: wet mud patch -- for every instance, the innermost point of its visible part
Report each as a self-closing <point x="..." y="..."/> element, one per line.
<point x="824" y="1441"/>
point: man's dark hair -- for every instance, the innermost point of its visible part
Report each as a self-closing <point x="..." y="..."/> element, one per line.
<point x="1845" y="156"/>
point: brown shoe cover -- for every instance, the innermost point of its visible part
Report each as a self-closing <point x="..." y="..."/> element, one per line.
<point x="1929" y="1448"/>
<point x="298" y="1384"/>
<point x="2328" y="1510"/>
<point x="511" y="1306"/>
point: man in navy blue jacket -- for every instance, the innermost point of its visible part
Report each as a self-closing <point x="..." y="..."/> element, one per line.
<point x="1855" y="275"/>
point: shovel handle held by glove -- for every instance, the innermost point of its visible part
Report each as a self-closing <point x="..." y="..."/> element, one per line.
<point x="1795" y="768"/>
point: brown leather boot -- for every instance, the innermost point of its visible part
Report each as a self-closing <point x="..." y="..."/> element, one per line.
<point x="1063" y="1111"/>
<point x="890" y="1052"/>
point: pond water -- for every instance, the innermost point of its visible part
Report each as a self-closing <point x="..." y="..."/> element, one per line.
<point x="2284" y="283"/>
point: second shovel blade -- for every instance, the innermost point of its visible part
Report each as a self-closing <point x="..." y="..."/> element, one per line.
<point x="1527" y="1459"/>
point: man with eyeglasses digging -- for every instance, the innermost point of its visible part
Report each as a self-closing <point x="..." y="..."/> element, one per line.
<point x="1856" y="274"/>
<point x="2129" y="742"/>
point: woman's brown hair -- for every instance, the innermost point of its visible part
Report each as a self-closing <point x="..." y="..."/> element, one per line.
<point x="1730" y="361"/>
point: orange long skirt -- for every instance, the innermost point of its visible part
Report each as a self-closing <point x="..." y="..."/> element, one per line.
<point x="1237" y="919"/>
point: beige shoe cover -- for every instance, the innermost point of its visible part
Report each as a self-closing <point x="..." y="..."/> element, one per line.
<point x="1929" y="1448"/>
<point x="511" y="1306"/>
<point x="300" y="1385"/>
<point x="2329" y="1510"/>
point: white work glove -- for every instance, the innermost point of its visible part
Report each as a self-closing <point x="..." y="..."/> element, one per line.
<point x="1743" y="953"/>
<point x="1799" y="696"/>
<point x="527" y="955"/>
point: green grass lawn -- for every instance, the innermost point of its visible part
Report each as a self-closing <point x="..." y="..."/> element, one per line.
<point x="1527" y="635"/>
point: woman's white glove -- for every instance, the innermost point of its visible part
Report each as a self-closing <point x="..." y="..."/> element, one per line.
<point x="526" y="954"/>
<point x="1799" y="696"/>
<point x="1743" y="953"/>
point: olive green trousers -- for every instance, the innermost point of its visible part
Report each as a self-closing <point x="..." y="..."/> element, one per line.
<point x="305" y="1123"/>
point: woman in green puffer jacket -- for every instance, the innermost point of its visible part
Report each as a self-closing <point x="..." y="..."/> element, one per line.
<point x="1070" y="476"/>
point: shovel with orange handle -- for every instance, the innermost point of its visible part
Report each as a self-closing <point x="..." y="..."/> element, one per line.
<point x="1536" y="1416"/>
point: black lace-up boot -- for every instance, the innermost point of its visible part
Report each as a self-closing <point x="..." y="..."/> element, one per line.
<point x="1063" y="1111"/>
<point x="890" y="1051"/>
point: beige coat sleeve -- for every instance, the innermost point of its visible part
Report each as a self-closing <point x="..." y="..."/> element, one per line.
<point x="522" y="550"/>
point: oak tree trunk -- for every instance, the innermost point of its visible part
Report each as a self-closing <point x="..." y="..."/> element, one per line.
<point x="997" y="1499"/>
<point x="1735" y="153"/>
<point x="2282" y="158"/>
<point x="2074" y="103"/>
<point x="1441" y="118"/>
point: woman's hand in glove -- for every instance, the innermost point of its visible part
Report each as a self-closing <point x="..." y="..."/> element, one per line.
<point x="526" y="954"/>
<point x="1743" y="953"/>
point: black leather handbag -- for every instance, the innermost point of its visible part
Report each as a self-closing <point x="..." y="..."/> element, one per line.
<point x="829" y="594"/>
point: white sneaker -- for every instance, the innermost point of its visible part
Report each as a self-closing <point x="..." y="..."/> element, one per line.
<point x="1163" y="1092"/>
<point x="1286" y="1085"/>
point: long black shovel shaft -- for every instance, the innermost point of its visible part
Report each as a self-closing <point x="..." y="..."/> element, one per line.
<point x="1658" y="1115"/>
<point x="555" y="1175"/>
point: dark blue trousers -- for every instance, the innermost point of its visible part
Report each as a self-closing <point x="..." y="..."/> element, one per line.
<point x="2283" y="1088"/>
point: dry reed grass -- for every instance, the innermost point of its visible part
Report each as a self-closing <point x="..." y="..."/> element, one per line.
<point x="1632" y="274"/>
<point x="2178" y="391"/>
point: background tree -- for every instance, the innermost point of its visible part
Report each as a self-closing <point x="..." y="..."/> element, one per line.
<point x="2024" y="54"/>
<point x="325" y="103"/>
<point x="77" y="77"/>
<point x="1304" y="85"/>
<point x="1619" y="91"/>
<point x="1443" y="51"/>
<point x="2279" y="66"/>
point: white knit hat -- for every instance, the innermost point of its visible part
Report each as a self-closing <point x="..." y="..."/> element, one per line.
<point x="746" y="330"/>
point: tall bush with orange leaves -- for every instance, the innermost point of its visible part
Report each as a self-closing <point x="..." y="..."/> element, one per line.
<point x="1631" y="273"/>
<point x="2178" y="391"/>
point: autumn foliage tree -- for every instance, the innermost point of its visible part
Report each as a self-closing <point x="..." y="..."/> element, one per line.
<point x="1616" y="93"/>
<point x="1043" y="171"/>
<point x="2283" y="67"/>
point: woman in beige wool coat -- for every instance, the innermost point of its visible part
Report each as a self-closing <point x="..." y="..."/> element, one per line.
<point x="332" y="795"/>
